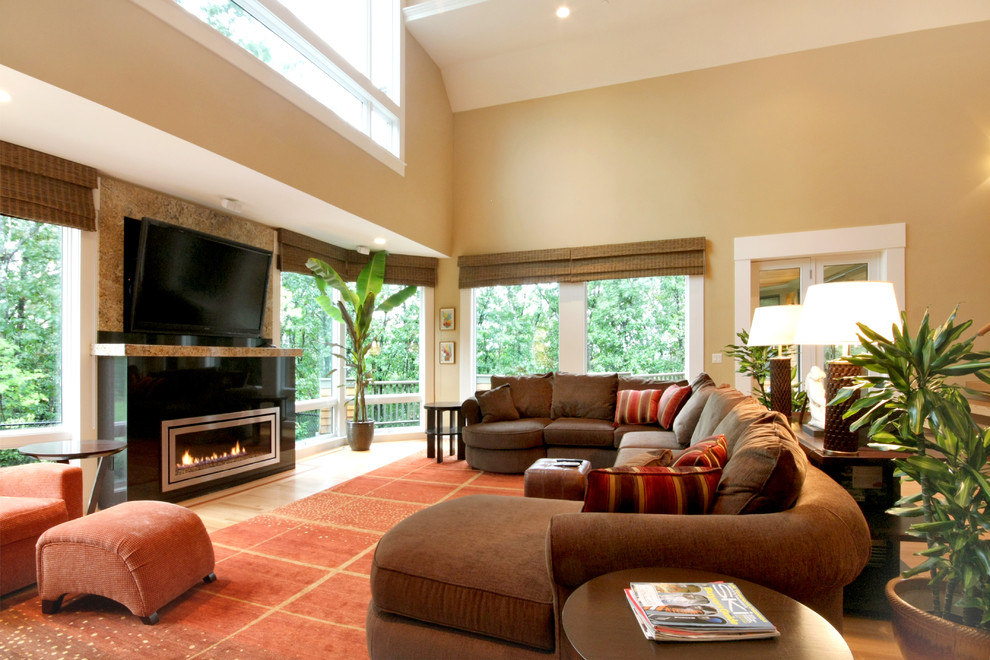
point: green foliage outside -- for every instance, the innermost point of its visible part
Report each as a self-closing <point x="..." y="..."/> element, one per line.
<point x="517" y="329"/>
<point x="637" y="325"/>
<point x="305" y="325"/>
<point x="30" y="323"/>
<point x="14" y="457"/>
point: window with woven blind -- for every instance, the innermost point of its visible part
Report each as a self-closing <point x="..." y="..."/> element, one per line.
<point x="44" y="188"/>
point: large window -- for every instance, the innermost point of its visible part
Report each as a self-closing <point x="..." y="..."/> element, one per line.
<point x="626" y="325"/>
<point x="324" y="389"/>
<point x="637" y="325"/>
<point x="31" y="319"/>
<point x="516" y="330"/>
<point x="345" y="54"/>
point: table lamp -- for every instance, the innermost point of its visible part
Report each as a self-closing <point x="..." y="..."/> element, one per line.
<point x="829" y="316"/>
<point x="775" y="326"/>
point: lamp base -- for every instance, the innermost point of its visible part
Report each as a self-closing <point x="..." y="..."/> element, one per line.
<point x="780" y="385"/>
<point x="838" y="437"/>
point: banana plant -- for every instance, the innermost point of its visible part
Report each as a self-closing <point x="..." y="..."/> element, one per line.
<point x="913" y="404"/>
<point x="355" y="309"/>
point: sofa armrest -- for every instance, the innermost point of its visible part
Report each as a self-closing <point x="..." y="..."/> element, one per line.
<point x="815" y="548"/>
<point x="52" y="480"/>
<point x="471" y="411"/>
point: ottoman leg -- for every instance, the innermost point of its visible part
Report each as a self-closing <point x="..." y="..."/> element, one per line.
<point x="212" y="577"/>
<point x="150" y="620"/>
<point x="52" y="606"/>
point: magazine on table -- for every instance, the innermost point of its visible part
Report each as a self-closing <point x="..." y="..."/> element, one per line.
<point x="696" y="612"/>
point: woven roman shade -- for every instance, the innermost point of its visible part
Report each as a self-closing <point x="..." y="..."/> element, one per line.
<point x="37" y="186"/>
<point x="679" y="256"/>
<point x="295" y="249"/>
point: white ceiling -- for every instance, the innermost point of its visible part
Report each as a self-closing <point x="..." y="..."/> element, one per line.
<point x="500" y="51"/>
<point x="490" y="52"/>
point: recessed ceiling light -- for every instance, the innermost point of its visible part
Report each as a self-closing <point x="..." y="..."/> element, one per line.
<point x="379" y="241"/>
<point x="563" y="12"/>
<point x="5" y="96"/>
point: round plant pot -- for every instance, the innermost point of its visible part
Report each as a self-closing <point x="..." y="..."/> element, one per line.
<point x="921" y="635"/>
<point x="360" y="435"/>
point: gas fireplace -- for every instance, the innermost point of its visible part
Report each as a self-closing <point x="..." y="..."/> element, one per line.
<point x="196" y="450"/>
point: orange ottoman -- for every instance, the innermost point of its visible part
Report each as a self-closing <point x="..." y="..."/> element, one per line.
<point x="141" y="554"/>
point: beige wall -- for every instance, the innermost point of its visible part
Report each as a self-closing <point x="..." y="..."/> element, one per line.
<point x="117" y="54"/>
<point x="889" y="130"/>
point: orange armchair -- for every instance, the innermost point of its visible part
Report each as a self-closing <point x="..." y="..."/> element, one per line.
<point x="33" y="497"/>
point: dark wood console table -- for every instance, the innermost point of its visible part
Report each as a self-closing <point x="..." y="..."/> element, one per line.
<point x="867" y="475"/>
<point x="436" y="431"/>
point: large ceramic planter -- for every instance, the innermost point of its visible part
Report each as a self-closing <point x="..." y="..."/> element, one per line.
<point x="360" y="435"/>
<point x="921" y="635"/>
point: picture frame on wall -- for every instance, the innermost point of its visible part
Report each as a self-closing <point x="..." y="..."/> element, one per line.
<point x="446" y="352"/>
<point x="446" y="318"/>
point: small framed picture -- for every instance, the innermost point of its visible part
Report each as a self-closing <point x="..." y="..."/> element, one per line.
<point x="446" y="318"/>
<point x="446" y="352"/>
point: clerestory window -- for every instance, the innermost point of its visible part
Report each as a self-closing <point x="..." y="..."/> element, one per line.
<point x="344" y="54"/>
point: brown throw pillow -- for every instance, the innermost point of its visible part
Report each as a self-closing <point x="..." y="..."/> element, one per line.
<point x="532" y="395"/>
<point x="652" y="458"/>
<point x="496" y="405"/>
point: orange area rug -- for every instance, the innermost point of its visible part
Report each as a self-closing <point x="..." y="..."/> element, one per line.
<point x="292" y="583"/>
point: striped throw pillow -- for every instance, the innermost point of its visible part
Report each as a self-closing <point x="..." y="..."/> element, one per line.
<point x="710" y="452"/>
<point x="671" y="402"/>
<point x="637" y="407"/>
<point x="689" y="490"/>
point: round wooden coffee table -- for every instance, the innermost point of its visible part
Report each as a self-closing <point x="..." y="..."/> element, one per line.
<point x="599" y="623"/>
<point x="62" y="451"/>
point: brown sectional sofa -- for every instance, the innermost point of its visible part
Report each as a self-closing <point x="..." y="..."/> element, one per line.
<point x="485" y="576"/>
<point x="559" y="416"/>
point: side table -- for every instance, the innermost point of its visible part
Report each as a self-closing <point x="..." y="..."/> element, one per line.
<point x="62" y="451"/>
<point x="867" y="475"/>
<point x="436" y="431"/>
<point x="599" y="623"/>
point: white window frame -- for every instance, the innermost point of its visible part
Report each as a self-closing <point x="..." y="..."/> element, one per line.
<point x="889" y="241"/>
<point x="572" y="324"/>
<point x="173" y="14"/>
<point x="80" y="255"/>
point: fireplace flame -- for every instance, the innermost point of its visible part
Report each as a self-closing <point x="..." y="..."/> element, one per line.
<point x="188" y="460"/>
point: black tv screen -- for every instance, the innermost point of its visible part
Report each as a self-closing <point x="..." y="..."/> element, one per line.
<point x="188" y="282"/>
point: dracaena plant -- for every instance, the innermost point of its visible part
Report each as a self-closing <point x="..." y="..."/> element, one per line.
<point x="355" y="309"/>
<point x="913" y="403"/>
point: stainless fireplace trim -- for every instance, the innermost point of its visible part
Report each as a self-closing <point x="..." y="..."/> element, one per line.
<point x="172" y="427"/>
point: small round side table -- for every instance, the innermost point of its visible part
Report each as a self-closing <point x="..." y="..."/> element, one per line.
<point x="436" y="431"/>
<point x="63" y="451"/>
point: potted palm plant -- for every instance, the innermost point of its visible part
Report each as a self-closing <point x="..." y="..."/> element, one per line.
<point x="355" y="309"/>
<point x="912" y="404"/>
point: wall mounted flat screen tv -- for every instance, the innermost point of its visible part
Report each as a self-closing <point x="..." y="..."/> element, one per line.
<point x="188" y="282"/>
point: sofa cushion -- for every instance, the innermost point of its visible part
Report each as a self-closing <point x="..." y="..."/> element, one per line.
<point x="637" y="407"/>
<point x="765" y="471"/>
<point x="737" y="420"/>
<point x="531" y="394"/>
<point x="573" y="431"/>
<point x="683" y="491"/>
<point x="29" y="517"/>
<point x="649" y="458"/>
<point x="631" y="382"/>
<point x="687" y="418"/>
<point x="625" y="429"/>
<point x="496" y="405"/>
<point x="584" y="395"/>
<point x="649" y="440"/>
<point x="671" y="402"/>
<point x="720" y="401"/>
<point x="515" y="434"/>
<point x="709" y="453"/>
<point x="491" y="577"/>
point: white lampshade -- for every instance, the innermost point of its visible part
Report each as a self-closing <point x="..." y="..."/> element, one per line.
<point x="831" y="311"/>
<point x="774" y="325"/>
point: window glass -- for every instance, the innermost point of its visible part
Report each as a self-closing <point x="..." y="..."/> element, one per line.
<point x="517" y="330"/>
<point x="30" y="324"/>
<point x="394" y="361"/>
<point x="637" y="325"/>
<point x="365" y="35"/>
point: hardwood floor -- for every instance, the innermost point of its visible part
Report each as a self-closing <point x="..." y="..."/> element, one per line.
<point x="869" y="639"/>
